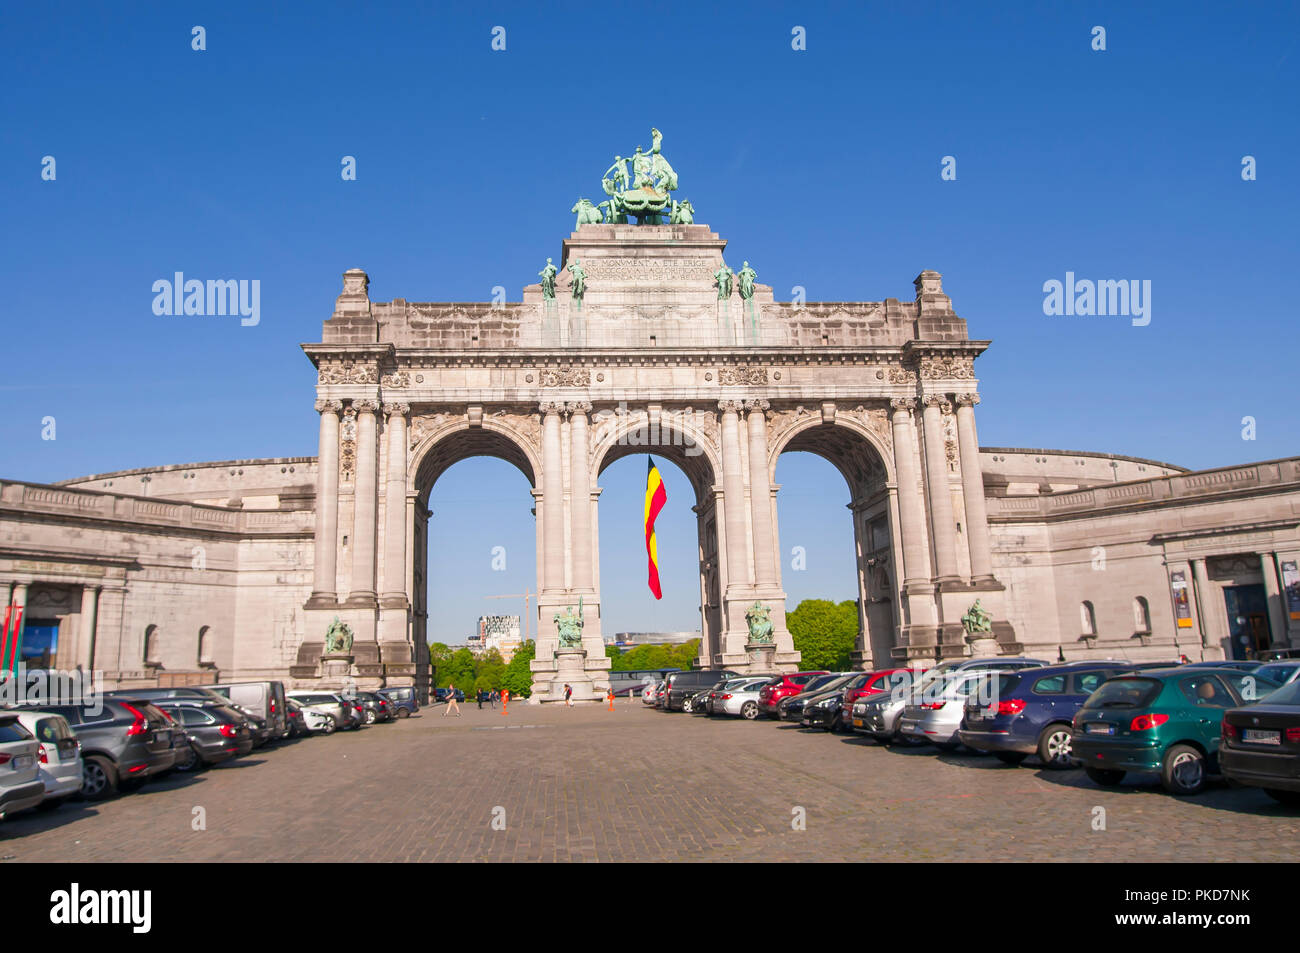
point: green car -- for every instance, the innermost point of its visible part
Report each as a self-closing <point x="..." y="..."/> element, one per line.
<point x="1163" y="721"/>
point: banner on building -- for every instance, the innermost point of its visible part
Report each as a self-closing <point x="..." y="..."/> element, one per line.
<point x="1291" y="586"/>
<point x="1182" y="600"/>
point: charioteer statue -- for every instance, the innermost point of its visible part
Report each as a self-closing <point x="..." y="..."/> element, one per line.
<point x="647" y="198"/>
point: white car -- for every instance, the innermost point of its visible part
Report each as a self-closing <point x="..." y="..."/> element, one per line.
<point x="59" y="758"/>
<point x="20" y="779"/>
<point x="739" y="697"/>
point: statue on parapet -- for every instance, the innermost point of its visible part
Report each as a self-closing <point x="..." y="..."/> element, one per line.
<point x="568" y="626"/>
<point x="723" y="278"/>
<point x="338" y="638"/>
<point x="759" y="619"/>
<point x="683" y="213"/>
<point x="579" y="286"/>
<point x="547" y="275"/>
<point x="747" y="276"/>
<point x="588" y="214"/>
<point x="977" y="620"/>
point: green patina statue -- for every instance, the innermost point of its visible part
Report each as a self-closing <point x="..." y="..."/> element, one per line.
<point x="646" y="198"/>
<point x="683" y="213"/>
<point x="568" y="625"/>
<point x="977" y="619"/>
<point x="579" y="280"/>
<point x="547" y="275"/>
<point x="588" y="214"/>
<point x="723" y="278"/>
<point x="338" y="638"/>
<point x="759" y="618"/>
<point x="747" y="276"/>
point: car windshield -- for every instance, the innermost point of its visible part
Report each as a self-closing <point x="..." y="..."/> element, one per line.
<point x="1286" y="695"/>
<point x="1279" y="672"/>
<point x="1251" y="686"/>
<point x="1125" y="693"/>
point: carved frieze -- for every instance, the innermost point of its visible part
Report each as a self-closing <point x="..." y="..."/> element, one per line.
<point x="565" y="377"/>
<point x="947" y="368"/>
<point x="396" y="379"/>
<point x="422" y="426"/>
<point x="742" y="374"/>
<point x="901" y="375"/>
<point x="877" y="421"/>
<point x="348" y="374"/>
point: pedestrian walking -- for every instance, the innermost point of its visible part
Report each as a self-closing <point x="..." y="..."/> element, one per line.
<point x="568" y="694"/>
<point x="480" y="699"/>
<point x="451" y="701"/>
<point x="492" y="699"/>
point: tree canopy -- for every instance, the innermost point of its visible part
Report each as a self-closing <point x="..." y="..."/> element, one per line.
<point x="824" y="632"/>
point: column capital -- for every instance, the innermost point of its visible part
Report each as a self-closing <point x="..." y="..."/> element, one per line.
<point x="903" y="403"/>
<point x="967" y="400"/>
<point x="935" y="400"/>
<point x="549" y="407"/>
<point x="365" y="405"/>
<point x="396" y="408"/>
<point x="578" y="407"/>
<point x="333" y="406"/>
<point x="758" y="404"/>
<point x="729" y="406"/>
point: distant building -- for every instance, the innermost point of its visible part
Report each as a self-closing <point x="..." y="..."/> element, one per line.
<point x="500" y="632"/>
<point x="630" y="640"/>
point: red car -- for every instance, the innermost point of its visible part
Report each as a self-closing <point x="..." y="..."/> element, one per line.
<point x="783" y="686"/>
<point x="874" y="683"/>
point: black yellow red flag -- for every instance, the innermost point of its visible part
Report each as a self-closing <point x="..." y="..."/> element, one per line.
<point x="655" y="498"/>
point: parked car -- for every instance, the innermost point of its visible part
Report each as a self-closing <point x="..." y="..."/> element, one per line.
<point x="332" y="703"/>
<point x="263" y="699"/>
<point x="782" y="686"/>
<point x="1283" y="672"/>
<point x="879" y="715"/>
<point x="440" y="695"/>
<point x="1260" y="745"/>
<point x="1032" y="711"/>
<point x="681" y="686"/>
<point x="741" y="700"/>
<point x="649" y="692"/>
<point x="816" y="696"/>
<point x="660" y="691"/>
<point x="402" y="698"/>
<point x="375" y="709"/>
<point x="1160" y="721"/>
<point x="935" y="713"/>
<point x="297" y="720"/>
<point x="20" y="780"/>
<point x="699" y="702"/>
<point x="59" y="758"/>
<point x="313" y="719"/>
<point x="867" y="684"/>
<point x="733" y="685"/>
<point x="123" y="741"/>
<point x="214" y="732"/>
<point x="259" y="727"/>
<point x="1241" y="665"/>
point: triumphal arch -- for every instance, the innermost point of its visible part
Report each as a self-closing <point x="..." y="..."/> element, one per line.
<point x="643" y="340"/>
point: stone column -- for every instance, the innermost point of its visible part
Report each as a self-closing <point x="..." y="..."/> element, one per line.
<point x="325" y="561"/>
<point x="972" y="484"/>
<point x="911" y="511"/>
<point x="1277" y="614"/>
<point x="580" y="497"/>
<point x="942" y="522"/>
<point x="1201" y="591"/>
<point x="86" y="637"/>
<point x="733" y="497"/>
<point x="552" y="498"/>
<point x="395" y="508"/>
<point x="364" y="518"/>
<point x="760" y="495"/>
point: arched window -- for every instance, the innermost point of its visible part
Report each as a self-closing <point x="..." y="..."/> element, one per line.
<point x="1141" y="615"/>
<point x="151" y="646"/>
<point x="205" y="647"/>
<point x="1088" y="619"/>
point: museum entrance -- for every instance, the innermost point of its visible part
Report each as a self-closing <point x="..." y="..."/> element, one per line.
<point x="1248" y="625"/>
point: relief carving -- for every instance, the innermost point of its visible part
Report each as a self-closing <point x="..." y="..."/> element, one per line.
<point x="947" y="368"/>
<point x="742" y="375"/>
<point x="565" y="377"/>
<point x="348" y="374"/>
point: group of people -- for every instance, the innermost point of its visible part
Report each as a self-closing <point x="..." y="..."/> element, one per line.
<point x="484" y="695"/>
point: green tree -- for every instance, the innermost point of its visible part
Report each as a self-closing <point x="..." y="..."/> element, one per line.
<point x="439" y="656"/>
<point x="518" y="677"/>
<point x="824" y="633"/>
<point x="490" y="669"/>
<point x="459" y="670"/>
<point x="615" y="656"/>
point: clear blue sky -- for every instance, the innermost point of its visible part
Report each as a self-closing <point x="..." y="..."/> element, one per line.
<point x="821" y="167"/>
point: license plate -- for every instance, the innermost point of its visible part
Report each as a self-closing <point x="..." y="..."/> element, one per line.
<point x="857" y="722"/>
<point x="1101" y="729"/>
<point x="1257" y="737"/>
<point x="23" y="761"/>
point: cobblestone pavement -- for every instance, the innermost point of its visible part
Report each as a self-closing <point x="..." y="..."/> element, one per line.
<point x="637" y="784"/>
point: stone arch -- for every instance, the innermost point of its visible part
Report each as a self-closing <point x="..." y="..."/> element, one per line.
<point x="808" y="434"/>
<point x="685" y="433"/>
<point x="453" y="440"/>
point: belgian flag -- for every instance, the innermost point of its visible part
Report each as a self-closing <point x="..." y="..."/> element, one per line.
<point x="655" y="498"/>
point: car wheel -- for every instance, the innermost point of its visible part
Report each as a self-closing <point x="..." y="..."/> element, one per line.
<point x="370" y="717"/>
<point x="1289" y="798"/>
<point x="1106" y="777"/>
<point x="331" y="726"/>
<point x="190" y="761"/>
<point x="1010" y="757"/>
<point x="1054" y="747"/>
<point x="1183" y="770"/>
<point x="749" y="711"/>
<point x="98" y="778"/>
<point x="403" y="713"/>
<point x="688" y="706"/>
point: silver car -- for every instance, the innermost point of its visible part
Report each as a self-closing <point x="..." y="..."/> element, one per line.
<point x="20" y="780"/>
<point x="59" y="756"/>
<point x="934" y="712"/>
<point x="739" y="697"/>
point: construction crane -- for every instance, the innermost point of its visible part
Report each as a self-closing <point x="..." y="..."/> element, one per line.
<point x="527" y="596"/>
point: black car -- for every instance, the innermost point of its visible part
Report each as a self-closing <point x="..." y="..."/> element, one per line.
<point x="1260" y="745"/>
<point x="682" y="687"/>
<point x="821" y="708"/>
<point x="214" y="732"/>
<point x="699" y="702"/>
<point x="374" y="707"/>
<point x="791" y="708"/>
<point x="124" y="740"/>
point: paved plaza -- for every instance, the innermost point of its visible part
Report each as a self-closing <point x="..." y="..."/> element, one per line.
<point x="640" y="785"/>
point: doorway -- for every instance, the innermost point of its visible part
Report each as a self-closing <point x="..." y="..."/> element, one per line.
<point x="1248" y="624"/>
